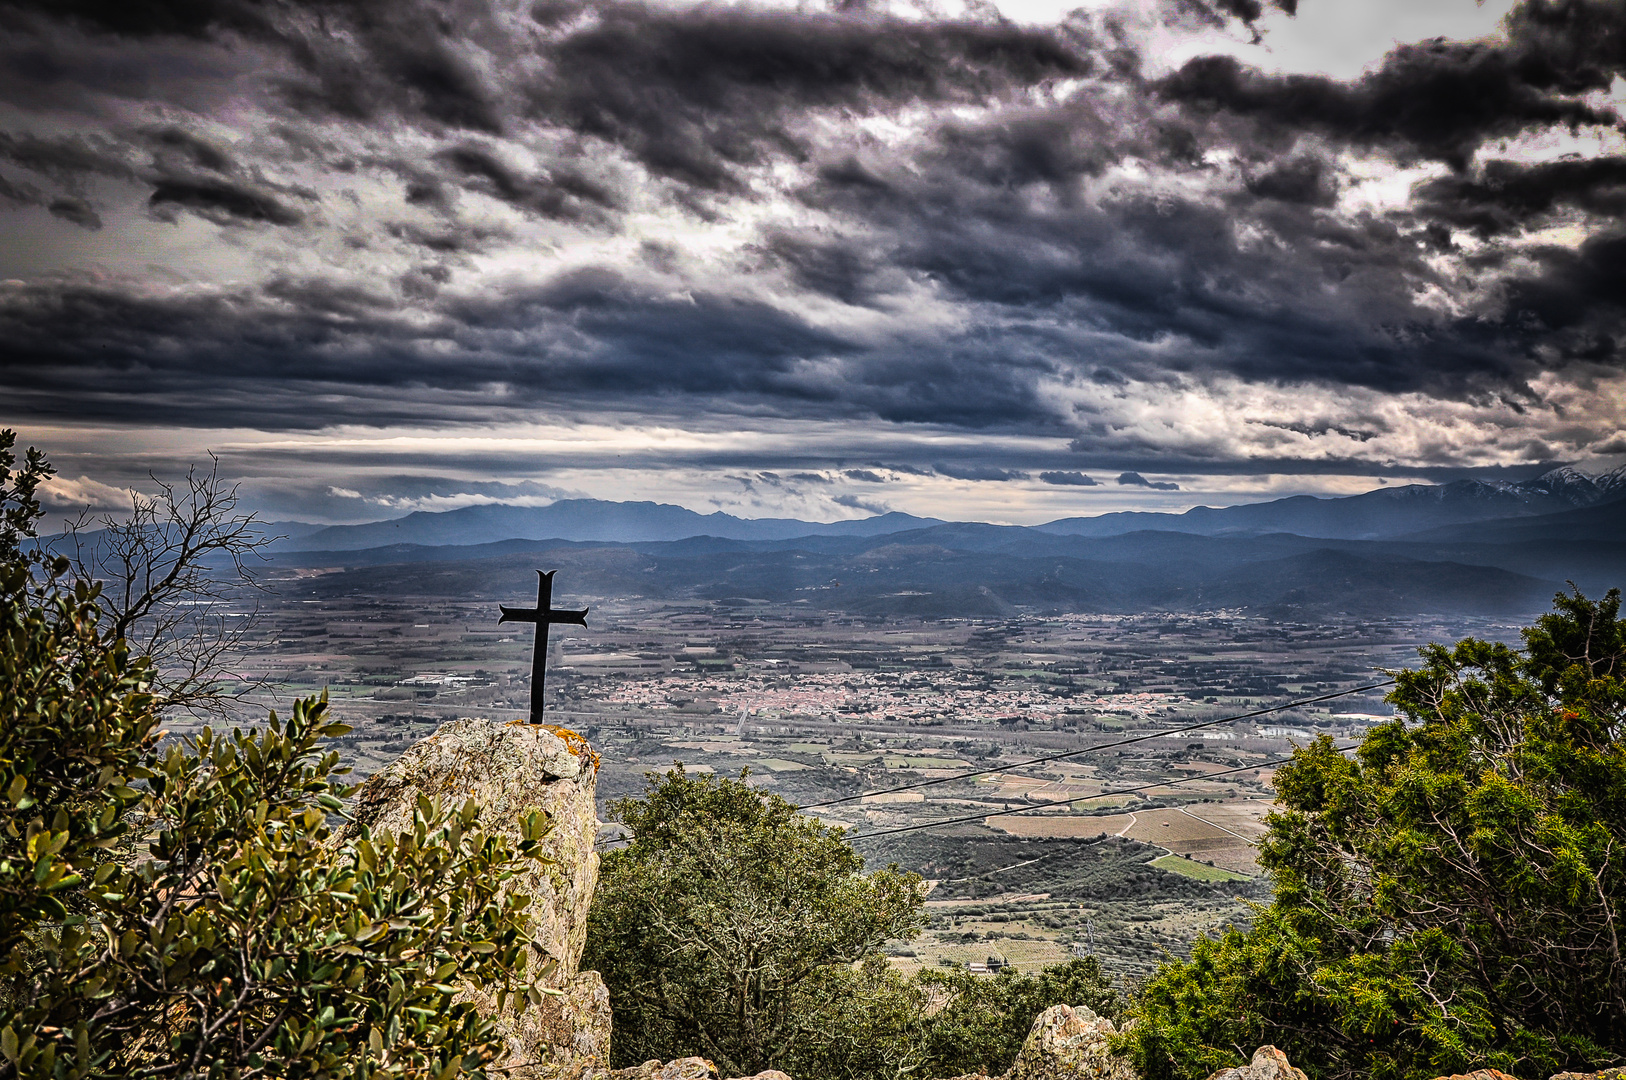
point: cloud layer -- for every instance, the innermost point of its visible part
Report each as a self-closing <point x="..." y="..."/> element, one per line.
<point x="298" y="217"/>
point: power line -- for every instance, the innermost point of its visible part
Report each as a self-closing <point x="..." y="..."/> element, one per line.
<point x="1161" y="734"/>
<point x="1065" y="802"/>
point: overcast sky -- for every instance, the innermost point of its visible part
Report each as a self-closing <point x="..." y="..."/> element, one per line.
<point x="1007" y="263"/>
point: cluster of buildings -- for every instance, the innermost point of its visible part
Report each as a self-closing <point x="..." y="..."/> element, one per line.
<point x="961" y="696"/>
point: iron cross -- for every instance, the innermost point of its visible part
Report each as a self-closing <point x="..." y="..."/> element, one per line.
<point x="543" y="615"/>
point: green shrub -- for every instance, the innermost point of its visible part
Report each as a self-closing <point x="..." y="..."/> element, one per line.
<point x="187" y="911"/>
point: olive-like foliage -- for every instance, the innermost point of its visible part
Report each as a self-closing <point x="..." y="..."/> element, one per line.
<point x="187" y="908"/>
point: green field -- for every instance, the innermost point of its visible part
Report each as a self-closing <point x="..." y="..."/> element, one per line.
<point x="1178" y="864"/>
<point x="774" y="764"/>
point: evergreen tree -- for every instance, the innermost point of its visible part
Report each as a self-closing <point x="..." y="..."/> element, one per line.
<point x="1449" y="896"/>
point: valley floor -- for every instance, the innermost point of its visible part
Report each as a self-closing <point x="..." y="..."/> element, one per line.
<point x="1143" y="846"/>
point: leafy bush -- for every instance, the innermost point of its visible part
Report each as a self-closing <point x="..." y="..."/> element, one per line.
<point x="1448" y="898"/>
<point x="187" y="911"/>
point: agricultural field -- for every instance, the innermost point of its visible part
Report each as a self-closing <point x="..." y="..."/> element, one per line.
<point x="1133" y="842"/>
<point x="1179" y="864"/>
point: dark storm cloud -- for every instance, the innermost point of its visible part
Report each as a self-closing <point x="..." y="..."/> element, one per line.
<point x="1067" y="479"/>
<point x="76" y="210"/>
<point x="1166" y="269"/>
<point x="1328" y="296"/>
<point x="589" y="333"/>
<point x="67" y="207"/>
<point x="1436" y="99"/>
<point x="1066" y="224"/>
<point x="1357" y="434"/>
<point x="147" y="18"/>
<point x="1306" y="179"/>
<point x="979" y="472"/>
<point x="192" y="149"/>
<point x="186" y="171"/>
<point x="566" y="194"/>
<point x="1135" y="479"/>
<point x="856" y="502"/>
<point x="1576" y="302"/>
<point x="404" y="59"/>
<point x="225" y="202"/>
<point x="446" y="240"/>
<point x="1509" y="197"/>
<point x="696" y="93"/>
<point x="838" y="268"/>
<point x="66" y="158"/>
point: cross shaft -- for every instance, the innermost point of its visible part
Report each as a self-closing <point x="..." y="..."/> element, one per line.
<point x="543" y="615"/>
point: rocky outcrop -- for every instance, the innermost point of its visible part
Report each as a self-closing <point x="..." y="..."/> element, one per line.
<point x="1067" y="1042"/>
<point x="1268" y="1063"/>
<point x="511" y="769"/>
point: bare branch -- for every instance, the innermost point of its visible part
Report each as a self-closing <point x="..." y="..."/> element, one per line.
<point x="180" y="584"/>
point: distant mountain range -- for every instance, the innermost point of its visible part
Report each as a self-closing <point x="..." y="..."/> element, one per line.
<point x="581" y="519"/>
<point x="1470" y="547"/>
<point x="1387" y="512"/>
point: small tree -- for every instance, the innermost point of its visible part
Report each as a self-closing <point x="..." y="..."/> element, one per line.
<point x="722" y="912"/>
<point x="1449" y="897"/>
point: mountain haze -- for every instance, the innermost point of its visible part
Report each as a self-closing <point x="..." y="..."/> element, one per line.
<point x="1471" y="546"/>
<point x="1386" y="512"/>
<point x="583" y="519"/>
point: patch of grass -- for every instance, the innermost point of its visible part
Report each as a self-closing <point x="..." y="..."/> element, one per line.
<point x="1179" y="864"/>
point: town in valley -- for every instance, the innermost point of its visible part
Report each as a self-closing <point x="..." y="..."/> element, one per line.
<point x="1128" y="852"/>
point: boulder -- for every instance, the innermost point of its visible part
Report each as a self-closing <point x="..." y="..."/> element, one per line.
<point x="511" y="769"/>
<point x="1479" y="1074"/>
<point x="1616" y="1072"/>
<point x="1268" y="1063"/>
<point x="1067" y="1042"/>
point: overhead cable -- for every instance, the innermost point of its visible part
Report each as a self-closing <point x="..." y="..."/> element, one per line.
<point x="1160" y="734"/>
